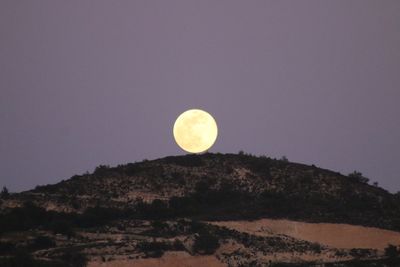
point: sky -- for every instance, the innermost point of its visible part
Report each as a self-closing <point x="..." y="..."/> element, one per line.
<point x="84" y="83"/>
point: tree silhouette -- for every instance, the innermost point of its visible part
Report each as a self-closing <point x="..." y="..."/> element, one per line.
<point x="4" y="193"/>
<point x="358" y="176"/>
<point x="391" y="251"/>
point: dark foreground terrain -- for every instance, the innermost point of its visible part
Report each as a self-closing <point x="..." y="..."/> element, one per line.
<point x="203" y="210"/>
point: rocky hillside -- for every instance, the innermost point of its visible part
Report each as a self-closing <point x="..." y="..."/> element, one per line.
<point x="229" y="210"/>
<point x="224" y="186"/>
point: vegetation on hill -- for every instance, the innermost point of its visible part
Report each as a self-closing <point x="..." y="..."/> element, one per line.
<point x="216" y="187"/>
<point x="176" y="192"/>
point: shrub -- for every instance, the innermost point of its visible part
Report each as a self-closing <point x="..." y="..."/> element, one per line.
<point x="391" y="251"/>
<point x="22" y="218"/>
<point x="183" y="206"/>
<point x="63" y="227"/>
<point x="190" y="160"/>
<point x="202" y="187"/>
<point x="42" y="242"/>
<point x="153" y="249"/>
<point x="95" y="216"/>
<point x="157" y="209"/>
<point x="284" y="159"/>
<point x="358" y="176"/>
<point x="178" y="245"/>
<point x="102" y="170"/>
<point x="4" y="194"/>
<point x="205" y="242"/>
<point x="159" y="226"/>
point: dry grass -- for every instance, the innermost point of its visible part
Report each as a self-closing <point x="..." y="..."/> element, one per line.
<point x="335" y="235"/>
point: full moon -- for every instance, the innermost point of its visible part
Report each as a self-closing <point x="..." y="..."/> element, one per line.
<point x="195" y="131"/>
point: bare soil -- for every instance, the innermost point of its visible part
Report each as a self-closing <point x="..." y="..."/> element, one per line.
<point x="334" y="235"/>
<point x="169" y="259"/>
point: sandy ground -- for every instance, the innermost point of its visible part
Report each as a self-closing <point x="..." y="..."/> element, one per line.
<point x="301" y="257"/>
<point x="169" y="259"/>
<point x="334" y="235"/>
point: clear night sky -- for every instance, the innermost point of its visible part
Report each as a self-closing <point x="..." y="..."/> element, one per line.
<point x="84" y="83"/>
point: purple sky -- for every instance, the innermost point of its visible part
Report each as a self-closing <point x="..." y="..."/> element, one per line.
<point x="85" y="83"/>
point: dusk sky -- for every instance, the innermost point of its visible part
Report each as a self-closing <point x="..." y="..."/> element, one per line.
<point x="84" y="83"/>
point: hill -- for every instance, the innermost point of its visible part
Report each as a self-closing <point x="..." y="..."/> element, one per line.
<point x="224" y="185"/>
<point x="193" y="206"/>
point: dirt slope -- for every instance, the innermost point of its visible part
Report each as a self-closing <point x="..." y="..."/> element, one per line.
<point x="169" y="259"/>
<point x="335" y="235"/>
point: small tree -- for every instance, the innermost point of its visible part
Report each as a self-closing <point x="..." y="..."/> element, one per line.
<point x="4" y="193"/>
<point x="284" y="159"/>
<point x="391" y="251"/>
<point x="205" y="242"/>
<point x="159" y="226"/>
<point x="101" y="170"/>
<point x="63" y="227"/>
<point x="358" y="176"/>
<point x="152" y="249"/>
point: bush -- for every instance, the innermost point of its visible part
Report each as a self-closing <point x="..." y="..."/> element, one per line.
<point x="190" y="160"/>
<point x="42" y="242"/>
<point x="4" y="194"/>
<point x="358" y="176"/>
<point x="391" y="251"/>
<point x="102" y="170"/>
<point x="157" y="209"/>
<point x="284" y="159"/>
<point x="23" y="218"/>
<point x="205" y="242"/>
<point x="96" y="216"/>
<point x="180" y="206"/>
<point x="30" y="216"/>
<point x="62" y="227"/>
<point x="178" y="245"/>
<point x="153" y="249"/>
<point x="159" y="226"/>
<point x="202" y="187"/>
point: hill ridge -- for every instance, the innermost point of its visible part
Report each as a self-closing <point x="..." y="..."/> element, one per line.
<point x="232" y="186"/>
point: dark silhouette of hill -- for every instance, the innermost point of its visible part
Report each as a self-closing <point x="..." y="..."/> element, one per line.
<point x="222" y="186"/>
<point x="184" y="206"/>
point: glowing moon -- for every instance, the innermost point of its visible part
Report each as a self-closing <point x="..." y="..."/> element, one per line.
<point x="195" y="131"/>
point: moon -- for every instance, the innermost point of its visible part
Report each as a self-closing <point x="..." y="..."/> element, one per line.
<point x="195" y="131"/>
